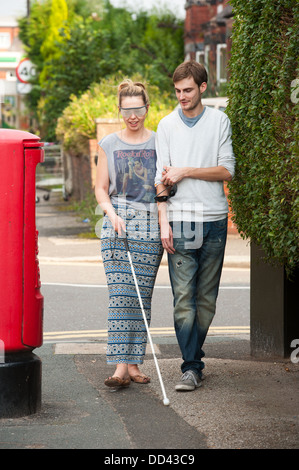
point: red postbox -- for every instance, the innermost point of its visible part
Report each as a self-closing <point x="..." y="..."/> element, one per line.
<point x="21" y="302"/>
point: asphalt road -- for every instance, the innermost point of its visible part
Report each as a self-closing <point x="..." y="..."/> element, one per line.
<point x="71" y="307"/>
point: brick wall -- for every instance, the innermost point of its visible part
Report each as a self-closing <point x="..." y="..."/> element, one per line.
<point x="231" y="228"/>
<point x="196" y="16"/>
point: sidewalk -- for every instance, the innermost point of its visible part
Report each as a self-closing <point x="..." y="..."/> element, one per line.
<point x="244" y="403"/>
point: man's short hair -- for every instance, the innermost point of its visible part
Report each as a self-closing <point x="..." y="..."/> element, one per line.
<point x="190" y="68"/>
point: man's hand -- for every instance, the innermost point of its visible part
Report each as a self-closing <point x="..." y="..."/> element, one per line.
<point x="172" y="175"/>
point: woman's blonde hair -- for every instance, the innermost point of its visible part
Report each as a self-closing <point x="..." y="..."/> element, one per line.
<point x="129" y="88"/>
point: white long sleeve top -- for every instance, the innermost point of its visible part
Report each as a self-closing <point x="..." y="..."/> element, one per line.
<point x="207" y="144"/>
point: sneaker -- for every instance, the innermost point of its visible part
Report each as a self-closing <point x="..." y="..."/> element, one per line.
<point x="189" y="381"/>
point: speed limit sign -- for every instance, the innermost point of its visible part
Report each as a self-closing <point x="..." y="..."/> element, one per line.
<point x="25" y="71"/>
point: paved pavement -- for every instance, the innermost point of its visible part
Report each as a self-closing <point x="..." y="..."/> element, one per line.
<point x="244" y="403"/>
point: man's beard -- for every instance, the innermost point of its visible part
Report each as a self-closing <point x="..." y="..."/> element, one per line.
<point x="194" y="105"/>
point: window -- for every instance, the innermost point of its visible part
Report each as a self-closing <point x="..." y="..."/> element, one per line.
<point x="200" y="57"/>
<point x="221" y="63"/>
<point x="5" y="41"/>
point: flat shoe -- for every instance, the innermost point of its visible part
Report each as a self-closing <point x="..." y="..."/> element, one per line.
<point x="140" y="379"/>
<point x="117" y="382"/>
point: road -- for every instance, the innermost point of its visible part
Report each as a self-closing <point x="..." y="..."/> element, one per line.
<point x="75" y="292"/>
<point x="76" y="301"/>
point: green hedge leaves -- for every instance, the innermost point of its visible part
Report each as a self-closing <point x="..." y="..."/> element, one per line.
<point x="263" y="108"/>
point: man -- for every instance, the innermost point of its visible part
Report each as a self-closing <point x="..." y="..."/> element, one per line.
<point x="194" y="152"/>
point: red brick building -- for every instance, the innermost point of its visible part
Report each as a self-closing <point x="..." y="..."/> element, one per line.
<point x="208" y="26"/>
<point x="12" y="109"/>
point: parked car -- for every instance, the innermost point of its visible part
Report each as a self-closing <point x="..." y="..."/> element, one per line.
<point x="218" y="103"/>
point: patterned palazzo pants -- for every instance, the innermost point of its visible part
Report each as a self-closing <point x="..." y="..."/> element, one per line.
<point x="127" y="336"/>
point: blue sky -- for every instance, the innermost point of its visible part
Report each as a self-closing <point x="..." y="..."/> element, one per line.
<point x="15" y="8"/>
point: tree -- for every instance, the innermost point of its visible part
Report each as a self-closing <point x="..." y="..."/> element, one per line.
<point x="32" y="35"/>
<point x="79" y="63"/>
<point x="87" y="49"/>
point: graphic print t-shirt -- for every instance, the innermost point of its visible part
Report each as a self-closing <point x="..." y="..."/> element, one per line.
<point x="132" y="171"/>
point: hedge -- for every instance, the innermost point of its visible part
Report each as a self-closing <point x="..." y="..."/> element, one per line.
<point x="263" y="109"/>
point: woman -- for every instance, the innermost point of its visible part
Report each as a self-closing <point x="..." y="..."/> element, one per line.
<point x="124" y="186"/>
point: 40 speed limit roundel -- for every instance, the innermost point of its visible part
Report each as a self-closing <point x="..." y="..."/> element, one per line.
<point x="25" y="71"/>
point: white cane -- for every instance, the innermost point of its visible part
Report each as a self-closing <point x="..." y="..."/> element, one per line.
<point x="165" y="399"/>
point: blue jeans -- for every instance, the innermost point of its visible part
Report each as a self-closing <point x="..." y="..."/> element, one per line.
<point x="195" y="276"/>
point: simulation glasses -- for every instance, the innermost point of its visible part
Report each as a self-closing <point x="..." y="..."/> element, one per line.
<point x="139" y="112"/>
<point x="164" y="198"/>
